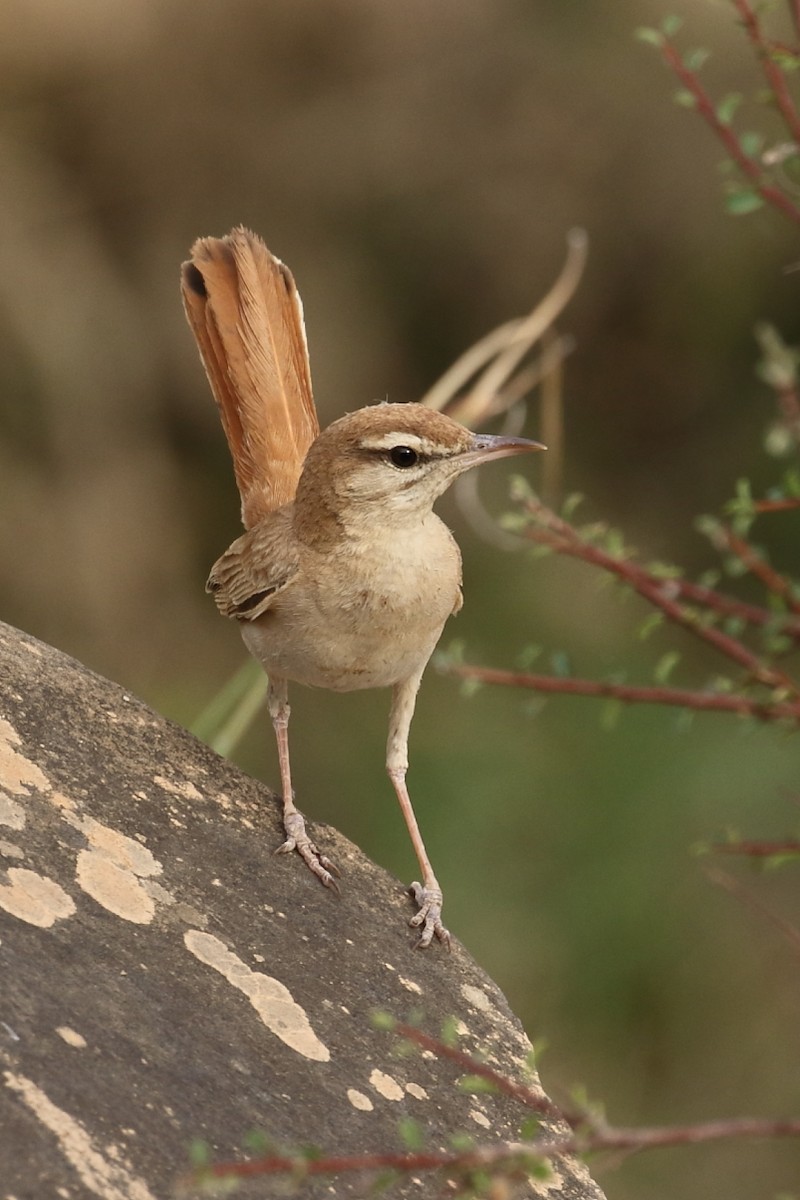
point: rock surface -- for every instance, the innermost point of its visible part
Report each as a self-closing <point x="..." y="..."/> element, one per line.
<point x="167" y="979"/>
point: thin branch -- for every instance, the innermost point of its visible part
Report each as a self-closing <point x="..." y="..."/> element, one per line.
<point x="561" y="537"/>
<point x="514" y="1157"/>
<point x="757" y="849"/>
<point x="746" y="897"/>
<point x="535" y="1100"/>
<point x="774" y="76"/>
<point x="750" y="167"/>
<point x="757" y="565"/>
<point x="785" y="504"/>
<point x="700" y="701"/>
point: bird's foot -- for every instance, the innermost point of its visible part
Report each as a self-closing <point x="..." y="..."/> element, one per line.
<point x="429" y="901"/>
<point x="297" y="839"/>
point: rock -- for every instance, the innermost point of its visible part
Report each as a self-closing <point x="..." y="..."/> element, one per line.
<point x="167" y="980"/>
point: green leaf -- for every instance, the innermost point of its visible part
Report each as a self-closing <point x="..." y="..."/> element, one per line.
<point x="652" y="621"/>
<point x="528" y="656"/>
<point x="693" y="60"/>
<point x="726" y="109"/>
<point x="529" y="1129"/>
<point x="661" y="570"/>
<point x="665" y="666"/>
<point x="560" y="664"/>
<point x="751" y="143"/>
<point x="514" y="522"/>
<point x="519" y="489"/>
<point x="779" y="441"/>
<point x="651" y="36"/>
<point x="786" y="60"/>
<point x="411" y="1134"/>
<point x="199" y="1153"/>
<point x="740" y="203"/>
<point x="448" y="1034"/>
<point x="671" y="24"/>
<point x="610" y="713"/>
<point x="383" y="1020"/>
<point x="258" y="1142"/>
<point x="470" y="687"/>
<point x="475" y="1084"/>
<point x="462" y="1143"/>
<point x="684" y="98"/>
<point x="571" y="504"/>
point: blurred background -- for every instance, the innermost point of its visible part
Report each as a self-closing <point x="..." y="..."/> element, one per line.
<point x="418" y="165"/>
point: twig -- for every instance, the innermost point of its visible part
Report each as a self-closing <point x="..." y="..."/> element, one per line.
<point x="785" y="504"/>
<point x="700" y="701"/>
<point x="734" y="888"/>
<point x="774" y="75"/>
<point x="537" y="1101"/>
<point x="513" y="1156"/>
<point x="749" y="167"/>
<point x="560" y="536"/>
<point x="773" y="581"/>
<point x="756" y="849"/>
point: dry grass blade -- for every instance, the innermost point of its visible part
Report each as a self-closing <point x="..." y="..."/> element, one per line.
<point x="502" y="350"/>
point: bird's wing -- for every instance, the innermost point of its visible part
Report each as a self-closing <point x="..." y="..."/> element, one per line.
<point x="254" y="569"/>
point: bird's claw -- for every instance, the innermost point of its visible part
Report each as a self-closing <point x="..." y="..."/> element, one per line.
<point x="297" y="839"/>
<point x="429" y="901"/>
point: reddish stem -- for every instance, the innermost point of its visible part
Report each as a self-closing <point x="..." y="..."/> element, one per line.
<point x="774" y="75"/>
<point x="629" y="694"/>
<point x="773" y="581"/>
<point x="757" y="849"/>
<point x="561" y="537"/>
<point x="507" y="1155"/>
<point x="750" y="167"/>
<point x="787" y="504"/>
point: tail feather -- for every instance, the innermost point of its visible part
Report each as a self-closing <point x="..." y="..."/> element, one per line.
<point x="247" y="318"/>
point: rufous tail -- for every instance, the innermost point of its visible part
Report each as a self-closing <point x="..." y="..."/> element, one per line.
<point x="246" y="315"/>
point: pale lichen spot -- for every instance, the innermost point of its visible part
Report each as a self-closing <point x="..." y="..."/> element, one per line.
<point x="11" y="850"/>
<point x="184" y="789"/>
<point x="109" y="1180"/>
<point x="34" y="898"/>
<point x="12" y="813"/>
<point x="480" y="1118"/>
<point x="125" y="851"/>
<point x="384" y="1084"/>
<point x="416" y="1091"/>
<point x="271" y="999"/>
<point x="71" y="1037"/>
<point x="389" y="966"/>
<point x="359" y="1100"/>
<point x="115" y="871"/>
<point x="476" y="997"/>
<point x="17" y="773"/>
<point x="410" y="985"/>
<point x="115" y="888"/>
<point x="63" y="802"/>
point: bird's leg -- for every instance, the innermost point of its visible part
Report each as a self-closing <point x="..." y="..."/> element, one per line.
<point x="427" y="895"/>
<point x="293" y="821"/>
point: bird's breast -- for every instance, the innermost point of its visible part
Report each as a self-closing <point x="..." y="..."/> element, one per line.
<point x="367" y="615"/>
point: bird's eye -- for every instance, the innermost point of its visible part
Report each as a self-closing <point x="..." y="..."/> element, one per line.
<point x="403" y="456"/>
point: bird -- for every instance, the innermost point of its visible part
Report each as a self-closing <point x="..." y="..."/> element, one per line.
<point x="344" y="577"/>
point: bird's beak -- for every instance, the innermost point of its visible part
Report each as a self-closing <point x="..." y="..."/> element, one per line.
<point x="485" y="446"/>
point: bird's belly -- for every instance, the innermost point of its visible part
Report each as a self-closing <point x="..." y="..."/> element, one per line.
<point x="355" y="636"/>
